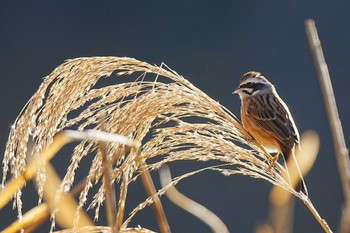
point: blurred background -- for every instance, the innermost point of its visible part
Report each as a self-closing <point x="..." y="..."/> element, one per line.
<point x="211" y="43"/>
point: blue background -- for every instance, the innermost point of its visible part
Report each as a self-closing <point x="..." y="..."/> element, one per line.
<point x="211" y="43"/>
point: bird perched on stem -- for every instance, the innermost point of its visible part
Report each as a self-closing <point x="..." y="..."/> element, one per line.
<point x="267" y="118"/>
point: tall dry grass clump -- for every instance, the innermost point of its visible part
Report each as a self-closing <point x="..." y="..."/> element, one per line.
<point x="154" y="105"/>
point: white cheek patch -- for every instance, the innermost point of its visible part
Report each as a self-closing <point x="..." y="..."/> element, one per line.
<point x="247" y="91"/>
<point x="256" y="92"/>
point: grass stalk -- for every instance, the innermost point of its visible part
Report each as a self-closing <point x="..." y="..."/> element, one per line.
<point x="194" y="208"/>
<point x="341" y="151"/>
<point x="111" y="205"/>
<point x="151" y="191"/>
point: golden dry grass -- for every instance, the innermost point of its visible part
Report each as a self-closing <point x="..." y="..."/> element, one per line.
<point x="172" y="118"/>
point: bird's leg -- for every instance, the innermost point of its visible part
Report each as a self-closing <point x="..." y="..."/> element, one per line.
<point x="275" y="158"/>
<point x="269" y="157"/>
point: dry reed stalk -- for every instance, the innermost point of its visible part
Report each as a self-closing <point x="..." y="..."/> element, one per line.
<point x="152" y="193"/>
<point x="66" y="203"/>
<point x="111" y="203"/>
<point x="122" y="200"/>
<point x="162" y="191"/>
<point x="104" y="229"/>
<point x="194" y="208"/>
<point x="183" y="122"/>
<point x="341" y="151"/>
<point x="31" y="219"/>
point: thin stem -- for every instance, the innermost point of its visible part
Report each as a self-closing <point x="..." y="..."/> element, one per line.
<point x="110" y="192"/>
<point x="342" y="154"/>
<point x="314" y="212"/>
<point x="76" y="190"/>
<point x="151" y="191"/>
<point x="122" y="200"/>
<point x="123" y="187"/>
<point x="194" y="208"/>
<point x="341" y="151"/>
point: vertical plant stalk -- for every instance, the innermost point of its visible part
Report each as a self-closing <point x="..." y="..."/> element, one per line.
<point x="122" y="200"/>
<point x="341" y="151"/>
<point x="151" y="191"/>
<point x="109" y="190"/>
<point x="123" y="188"/>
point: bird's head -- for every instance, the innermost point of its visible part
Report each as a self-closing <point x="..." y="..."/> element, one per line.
<point x="253" y="84"/>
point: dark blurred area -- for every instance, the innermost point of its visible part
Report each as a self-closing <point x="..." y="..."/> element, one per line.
<point x="211" y="43"/>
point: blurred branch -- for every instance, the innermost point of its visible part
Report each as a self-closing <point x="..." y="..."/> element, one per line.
<point x="31" y="219"/>
<point x="104" y="229"/>
<point x="61" y="139"/>
<point x="281" y="217"/>
<point x="189" y="205"/>
<point x="13" y="185"/>
<point x="341" y="151"/>
<point x="36" y="216"/>
<point x="65" y="203"/>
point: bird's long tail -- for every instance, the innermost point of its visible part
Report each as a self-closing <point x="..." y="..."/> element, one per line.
<point x="288" y="157"/>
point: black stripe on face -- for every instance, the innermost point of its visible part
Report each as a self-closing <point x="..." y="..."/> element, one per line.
<point x="247" y="92"/>
<point x="254" y="86"/>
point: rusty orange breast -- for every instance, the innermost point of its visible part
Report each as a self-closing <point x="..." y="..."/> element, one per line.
<point x="263" y="136"/>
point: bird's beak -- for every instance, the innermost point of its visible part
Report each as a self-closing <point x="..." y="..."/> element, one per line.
<point x="237" y="90"/>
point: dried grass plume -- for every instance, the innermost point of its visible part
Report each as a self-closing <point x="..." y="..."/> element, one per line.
<point x="152" y="104"/>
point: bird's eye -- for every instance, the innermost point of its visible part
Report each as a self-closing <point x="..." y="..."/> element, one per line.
<point x="247" y="85"/>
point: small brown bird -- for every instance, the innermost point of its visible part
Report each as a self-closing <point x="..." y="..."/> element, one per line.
<point x="267" y="118"/>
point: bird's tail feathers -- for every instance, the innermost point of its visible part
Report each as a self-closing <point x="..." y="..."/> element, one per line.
<point x="291" y="162"/>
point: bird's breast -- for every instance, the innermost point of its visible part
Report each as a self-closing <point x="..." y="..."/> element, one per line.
<point x="266" y="139"/>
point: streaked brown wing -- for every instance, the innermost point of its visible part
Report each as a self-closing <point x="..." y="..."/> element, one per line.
<point x="269" y="113"/>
